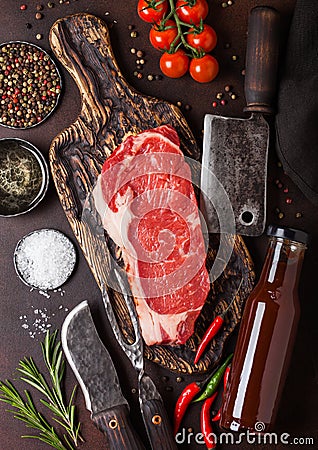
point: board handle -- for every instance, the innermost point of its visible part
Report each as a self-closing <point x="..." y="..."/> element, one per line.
<point x="262" y="60"/>
<point x="116" y="426"/>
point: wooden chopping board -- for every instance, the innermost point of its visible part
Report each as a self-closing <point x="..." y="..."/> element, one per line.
<point x="112" y="110"/>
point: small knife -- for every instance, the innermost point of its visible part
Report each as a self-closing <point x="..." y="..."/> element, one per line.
<point x="97" y="377"/>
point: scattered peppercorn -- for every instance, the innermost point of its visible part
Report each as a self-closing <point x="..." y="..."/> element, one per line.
<point x="243" y="72"/>
<point x="139" y="75"/>
<point x="188" y="107"/>
<point x="179" y="379"/>
<point x="29" y="26"/>
<point x="229" y="2"/>
<point x="133" y="50"/>
<point x="233" y="96"/>
<point x="23" y="7"/>
<point x="50" y="5"/>
<point x="234" y="57"/>
<point x="150" y="77"/>
<point x="164" y="378"/>
<point x="133" y="390"/>
<point x="224" y="5"/>
<point x="289" y="200"/>
<point x="281" y="215"/>
<point x="142" y="62"/>
<point x="134" y="34"/>
<point x="214" y="104"/>
<point x="140" y="53"/>
<point x="39" y="7"/>
<point x="131" y="27"/>
<point x="298" y="215"/>
<point x="227" y="88"/>
<point x="227" y="45"/>
<point x="158" y="77"/>
<point x="279" y="164"/>
<point x="179" y="104"/>
<point x="39" y="36"/>
<point x="277" y="210"/>
<point x="38" y="16"/>
<point x="286" y="190"/>
<point x="30" y="85"/>
<point x="219" y="95"/>
<point x="223" y="102"/>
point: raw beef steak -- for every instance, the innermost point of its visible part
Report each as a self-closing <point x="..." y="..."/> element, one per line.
<point x="146" y="200"/>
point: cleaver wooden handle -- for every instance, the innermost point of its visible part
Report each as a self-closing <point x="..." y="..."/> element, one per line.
<point x="116" y="426"/>
<point x="262" y="60"/>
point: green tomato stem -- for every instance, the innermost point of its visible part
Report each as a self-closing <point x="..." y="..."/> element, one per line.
<point x="180" y="35"/>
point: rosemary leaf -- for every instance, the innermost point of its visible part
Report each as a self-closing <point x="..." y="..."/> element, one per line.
<point x="27" y="413"/>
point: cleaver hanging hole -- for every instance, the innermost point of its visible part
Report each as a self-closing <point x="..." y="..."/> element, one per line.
<point x="247" y="218"/>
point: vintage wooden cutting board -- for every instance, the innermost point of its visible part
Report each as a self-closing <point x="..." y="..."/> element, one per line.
<point x="111" y="110"/>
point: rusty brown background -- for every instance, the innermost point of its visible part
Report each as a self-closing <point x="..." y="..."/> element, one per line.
<point x="298" y="411"/>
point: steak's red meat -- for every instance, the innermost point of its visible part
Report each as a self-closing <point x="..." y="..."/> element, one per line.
<point x="146" y="200"/>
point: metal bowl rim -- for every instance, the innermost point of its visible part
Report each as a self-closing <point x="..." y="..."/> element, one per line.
<point x="44" y="169"/>
<point x="57" y="97"/>
<point x="29" y="234"/>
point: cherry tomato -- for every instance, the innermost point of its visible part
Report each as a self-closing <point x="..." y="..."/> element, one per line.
<point x="204" y="39"/>
<point x="152" y="10"/>
<point x="162" y="38"/>
<point x="192" y="11"/>
<point x="204" y="69"/>
<point x="174" y="65"/>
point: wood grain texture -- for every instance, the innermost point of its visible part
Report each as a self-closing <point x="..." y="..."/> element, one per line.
<point x="112" y="110"/>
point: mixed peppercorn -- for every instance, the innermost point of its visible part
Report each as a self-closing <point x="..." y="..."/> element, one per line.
<point x="179" y="32"/>
<point x="29" y="85"/>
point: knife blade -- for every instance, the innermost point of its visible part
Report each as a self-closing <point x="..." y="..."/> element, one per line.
<point x="97" y="377"/>
<point x="235" y="150"/>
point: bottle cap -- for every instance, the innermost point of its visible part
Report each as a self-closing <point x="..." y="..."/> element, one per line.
<point x="288" y="233"/>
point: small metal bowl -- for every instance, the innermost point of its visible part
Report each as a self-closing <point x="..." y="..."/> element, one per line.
<point x="31" y="47"/>
<point x="24" y="177"/>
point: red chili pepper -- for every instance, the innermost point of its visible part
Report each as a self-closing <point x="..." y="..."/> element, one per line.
<point x="213" y="329"/>
<point x="183" y="402"/>
<point x="225" y="381"/>
<point x="206" y="424"/>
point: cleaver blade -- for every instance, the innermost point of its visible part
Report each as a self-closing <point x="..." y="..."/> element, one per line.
<point x="97" y="377"/>
<point x="234" y="161"/>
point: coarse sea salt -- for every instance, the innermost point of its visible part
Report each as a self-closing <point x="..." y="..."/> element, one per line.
<point x="45" y="259"/>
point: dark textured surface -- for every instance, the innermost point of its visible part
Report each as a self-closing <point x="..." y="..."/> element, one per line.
<point x="111" y="111"/>
<point x="297" y="415"/>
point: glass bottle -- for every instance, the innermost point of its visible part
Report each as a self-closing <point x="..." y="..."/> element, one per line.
<point x="266" y="337"/>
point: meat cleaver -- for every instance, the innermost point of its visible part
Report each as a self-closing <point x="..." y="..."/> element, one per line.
<point x="234" y="162"/>
<point x="96" y="374"/>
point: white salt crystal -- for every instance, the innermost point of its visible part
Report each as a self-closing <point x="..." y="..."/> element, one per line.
<point x="45" y="259"/>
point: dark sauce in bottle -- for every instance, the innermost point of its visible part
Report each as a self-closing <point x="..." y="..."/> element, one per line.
<point x="266" y="337"/>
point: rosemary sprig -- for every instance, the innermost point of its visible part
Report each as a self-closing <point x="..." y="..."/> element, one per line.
<point x="64" y="413"/>
<point x="27" y="413"/>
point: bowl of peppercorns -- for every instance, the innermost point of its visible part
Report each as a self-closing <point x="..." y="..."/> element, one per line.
<point x="30" y="85"/>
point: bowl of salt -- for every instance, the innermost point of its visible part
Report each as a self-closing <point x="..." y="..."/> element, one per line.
<point x="44" y="259"/>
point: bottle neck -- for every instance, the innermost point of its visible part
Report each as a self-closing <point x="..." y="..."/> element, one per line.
<point x="283" y="263"/>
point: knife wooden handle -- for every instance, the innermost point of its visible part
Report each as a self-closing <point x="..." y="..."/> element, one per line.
<point x="116" y="426"/>
<point x="262" y="60"/>
<point x="157" y="425"/>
